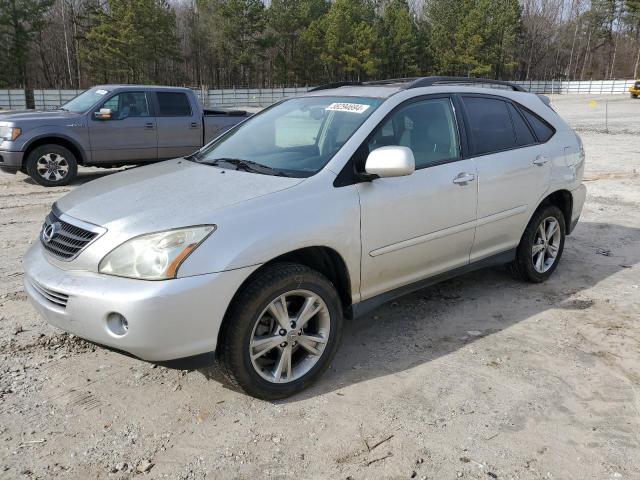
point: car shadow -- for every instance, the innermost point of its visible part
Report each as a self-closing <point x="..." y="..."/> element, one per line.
<point x="437" y="320"/>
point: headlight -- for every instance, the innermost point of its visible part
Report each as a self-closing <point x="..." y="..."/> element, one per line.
<point x="10" y="133"/>
<point x="156" y="256"/>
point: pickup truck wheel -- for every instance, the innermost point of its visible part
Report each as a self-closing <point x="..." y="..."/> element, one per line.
<point x="281" y="331"/>
<point x="541" y="245"/>
<point x="52" y="165"/>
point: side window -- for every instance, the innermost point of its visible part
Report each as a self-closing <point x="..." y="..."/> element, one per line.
<point x="173" y="104"/>
<point x="125" y="105"/>
<point x="427" y="127"/>
<point x="523" y="132"/>
<point x="490" y="124"/>
<point x="543" y="130"/>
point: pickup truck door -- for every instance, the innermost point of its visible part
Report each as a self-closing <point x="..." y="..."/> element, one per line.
<point x="417" y="226"/>
<point x="130" y="135"/>
<point x="179" y="125"/>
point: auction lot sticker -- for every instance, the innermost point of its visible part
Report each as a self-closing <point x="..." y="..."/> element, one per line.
<point x="348" y="107"/>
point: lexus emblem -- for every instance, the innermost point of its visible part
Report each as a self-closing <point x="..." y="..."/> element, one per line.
<point x="50" y="231"/>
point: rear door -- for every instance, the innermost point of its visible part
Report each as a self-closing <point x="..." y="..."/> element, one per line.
<point x="423" y="224"/>
<point x="179" y="125"/>
<point x="130" y="134"/>
<point x="513" y="171"/>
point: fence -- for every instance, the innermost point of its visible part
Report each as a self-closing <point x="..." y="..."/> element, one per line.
<point x="13" y="99"/>
<point x="262" y="97"/>
<point x="587" y="87"/>
<point x="50" y="99"/>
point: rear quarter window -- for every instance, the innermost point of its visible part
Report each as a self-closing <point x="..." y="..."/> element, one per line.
<point x="542" y="129"/>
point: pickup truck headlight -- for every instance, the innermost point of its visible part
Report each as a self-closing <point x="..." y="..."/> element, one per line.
<point x="10" y="133"/>
<point x="155" y="256"/>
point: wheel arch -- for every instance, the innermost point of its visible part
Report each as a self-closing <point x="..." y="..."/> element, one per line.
<point x="323" y="259"/>
<point x="55" y="140"/>
<point x="563" y="199"/>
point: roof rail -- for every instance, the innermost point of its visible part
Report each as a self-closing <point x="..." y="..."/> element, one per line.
<point x="327" y="86"/>
<point x="431" y="81"/>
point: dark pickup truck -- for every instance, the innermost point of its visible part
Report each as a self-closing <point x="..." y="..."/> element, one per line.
<point x="109" y="126"/>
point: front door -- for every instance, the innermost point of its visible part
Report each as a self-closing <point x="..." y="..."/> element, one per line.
<point x="423" y="224"/>
<point x="130" y="135"/>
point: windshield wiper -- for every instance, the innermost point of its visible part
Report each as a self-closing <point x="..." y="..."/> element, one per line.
<point x="247" y="166"/>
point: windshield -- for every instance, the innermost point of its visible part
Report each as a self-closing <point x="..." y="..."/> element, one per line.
<point x="296" y="137"/>
<point x="84" y="101"/>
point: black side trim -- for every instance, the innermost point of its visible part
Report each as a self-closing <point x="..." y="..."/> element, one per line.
<point x="364" y="307"/>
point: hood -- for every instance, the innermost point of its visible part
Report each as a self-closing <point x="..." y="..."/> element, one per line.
<point x="37" y="116"/>
<point x="165" y="195"/>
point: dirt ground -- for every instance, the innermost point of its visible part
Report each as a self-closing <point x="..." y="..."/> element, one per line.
<point x="480" y="377"/>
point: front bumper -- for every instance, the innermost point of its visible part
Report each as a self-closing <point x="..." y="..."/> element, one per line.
<point x="634" y="91"/>
<point x="10" y="162"/>
<point x="167" y="320"/>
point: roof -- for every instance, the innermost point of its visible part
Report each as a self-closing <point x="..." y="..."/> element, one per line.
<point x="138" y="87"/>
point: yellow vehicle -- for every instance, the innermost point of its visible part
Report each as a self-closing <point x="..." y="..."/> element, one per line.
<point x="635" y="89"/>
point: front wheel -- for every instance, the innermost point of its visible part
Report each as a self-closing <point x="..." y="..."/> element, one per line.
<point x="281" y="331"/>
<point x="633" y="95"/>
<point x="52" y="165"/>
<point x="541" y="245"/>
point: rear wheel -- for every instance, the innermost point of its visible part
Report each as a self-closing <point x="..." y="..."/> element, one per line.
<point x="541" y="245"/>
<point x="281" y="331"/>
<point x="52" y="165"/>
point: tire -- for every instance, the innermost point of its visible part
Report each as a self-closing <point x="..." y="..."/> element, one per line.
<point x="527" y="265"/>
<point x="633" y="95"/>
<point x="250" y="311"/>
<point x="42" y="163"/>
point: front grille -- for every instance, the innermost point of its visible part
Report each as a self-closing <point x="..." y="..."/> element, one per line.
<point x="63" y="239"/>
<point x="57" y="298"/>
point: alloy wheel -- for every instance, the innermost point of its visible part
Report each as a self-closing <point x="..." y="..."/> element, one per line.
<point x="546" y="244"/>
<point x="290" y="336"/>
<point x="52" y="167"/>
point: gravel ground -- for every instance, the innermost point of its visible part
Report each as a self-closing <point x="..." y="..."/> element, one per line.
<point x="479" y="377"/>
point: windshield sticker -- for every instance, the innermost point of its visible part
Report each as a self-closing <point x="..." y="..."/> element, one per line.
<point x="348" y="107"/>
<point x="102" y="92"/>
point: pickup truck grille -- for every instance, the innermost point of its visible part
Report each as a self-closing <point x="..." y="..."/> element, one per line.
<point x="64" y="240"/>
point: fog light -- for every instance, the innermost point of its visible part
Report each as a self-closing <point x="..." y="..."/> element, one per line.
<point x="117" y="324"/>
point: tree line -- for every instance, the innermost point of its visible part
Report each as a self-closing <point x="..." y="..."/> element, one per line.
<point x="77" y="43"/>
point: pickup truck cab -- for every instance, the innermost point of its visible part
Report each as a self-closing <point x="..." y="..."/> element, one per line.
<point x="109" y="126"/>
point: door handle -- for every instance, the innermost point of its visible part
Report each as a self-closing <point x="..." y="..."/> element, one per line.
<point x="541" y="160"/>
<point x="150" y="125"/>
<point x="194" y="125"/>
<point x="464" y="178"/>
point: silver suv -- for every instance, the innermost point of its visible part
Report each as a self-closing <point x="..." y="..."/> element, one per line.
<point x="254" y="249"/>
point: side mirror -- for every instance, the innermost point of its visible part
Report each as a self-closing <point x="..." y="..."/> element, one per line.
<point x="103" y="114"/>
<point x="391" y="161"/>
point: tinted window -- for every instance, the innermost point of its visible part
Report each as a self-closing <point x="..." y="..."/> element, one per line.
<point x="543" y="130"/>
<point x="523" y="132"/>
<point x="428" y="128"/>
<point x="173" y="104"/>
<point x="491" y="128"/>
<point x="125" y="105"/>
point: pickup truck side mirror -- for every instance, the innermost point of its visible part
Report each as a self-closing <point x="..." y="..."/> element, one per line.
<point x="103" y="114"/>
<point x="390" y="161"/>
